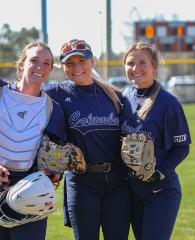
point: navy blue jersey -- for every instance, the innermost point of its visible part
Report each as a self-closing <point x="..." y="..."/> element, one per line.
<point x="165" y="125"/>
<point x="91" y="119"/>
<point x="56" y="125"/>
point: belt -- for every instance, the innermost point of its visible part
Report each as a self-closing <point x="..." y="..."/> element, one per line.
<point x="99" y="168"/>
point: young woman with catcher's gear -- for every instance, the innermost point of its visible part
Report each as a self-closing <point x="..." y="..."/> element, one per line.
<point x="156" y="140"/>
<point x="27" y="114"/>
<point x="99" y="196"/>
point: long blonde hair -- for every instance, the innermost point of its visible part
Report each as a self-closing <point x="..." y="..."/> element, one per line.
<point x="149" y="102"/>
<point x="111" y="92"/>
<point x="156" y="60"/>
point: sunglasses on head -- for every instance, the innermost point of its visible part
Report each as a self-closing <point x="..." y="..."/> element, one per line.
<point x="75" y="45"/>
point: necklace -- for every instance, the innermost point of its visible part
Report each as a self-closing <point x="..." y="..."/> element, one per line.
<point x="139" y="99"/>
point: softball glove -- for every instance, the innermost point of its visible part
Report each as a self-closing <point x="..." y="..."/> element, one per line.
<point x="55" y="159"/>
<point x="138" y="155"/>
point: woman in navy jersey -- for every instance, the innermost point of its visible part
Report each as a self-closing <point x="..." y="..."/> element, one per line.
<point x="159" y="116"/>
<point x="98" y="197"/>
<point x="26" y="114"/>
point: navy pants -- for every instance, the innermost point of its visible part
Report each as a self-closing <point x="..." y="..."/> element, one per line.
<point x="94" y="200"/>
<point x="29" y="231"/>
<point x="155" y="207"/>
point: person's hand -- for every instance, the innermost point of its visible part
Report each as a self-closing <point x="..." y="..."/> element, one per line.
<point x="156" y="176"/>
<point x="4" y="175"/>
<point x="55" y="178"/>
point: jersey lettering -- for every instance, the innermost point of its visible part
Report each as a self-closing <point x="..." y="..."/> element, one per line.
<point x="180" y="138"/>
<point x="76" y="121"/>
<point x="83" y="123"/>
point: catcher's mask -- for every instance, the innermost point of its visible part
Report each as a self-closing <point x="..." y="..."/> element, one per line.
<point x="31" y="199"/>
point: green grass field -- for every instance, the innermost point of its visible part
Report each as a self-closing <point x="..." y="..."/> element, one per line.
<point x="185" y="224"/>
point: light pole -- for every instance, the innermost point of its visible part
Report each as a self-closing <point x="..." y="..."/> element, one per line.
<point x="44" y="35"/>
<point x="108" y="37"/>
<point x="101" y="33"/>
<point x="108" y="30"/>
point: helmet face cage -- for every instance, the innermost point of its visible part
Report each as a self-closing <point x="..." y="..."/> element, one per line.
<point x="19" y="204"/>
<point x="10" y="218"/>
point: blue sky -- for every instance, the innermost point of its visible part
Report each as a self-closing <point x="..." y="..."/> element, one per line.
<point x="85" y="19"/>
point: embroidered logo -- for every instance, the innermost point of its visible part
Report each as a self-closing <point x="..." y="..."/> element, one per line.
<point x="68" y="99"/>
<point x="180" y="138"/>
<point x="156" y="191"/>
<point x="18" y="196"/>
<point x="21" y="114"/>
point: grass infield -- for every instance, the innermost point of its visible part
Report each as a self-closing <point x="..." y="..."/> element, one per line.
<point x="185" y="224"/>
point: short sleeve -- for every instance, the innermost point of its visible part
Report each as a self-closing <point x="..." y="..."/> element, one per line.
<point x="176" y="130"/>
<point x="56" y="125"/>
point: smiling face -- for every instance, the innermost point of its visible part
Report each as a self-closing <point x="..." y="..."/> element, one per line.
<point x="139" y="68"/>
<point x="79" y="70"/>
<point x="37" y="65"/>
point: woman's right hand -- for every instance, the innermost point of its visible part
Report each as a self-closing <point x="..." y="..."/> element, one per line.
<point x="4" y="175"/>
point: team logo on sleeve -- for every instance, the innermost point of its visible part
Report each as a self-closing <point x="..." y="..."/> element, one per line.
<point x="180" y="138"/>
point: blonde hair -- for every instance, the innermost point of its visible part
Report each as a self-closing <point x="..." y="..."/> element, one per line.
<point x="24" y="55"/>
<point x="156" y="59"/>
<point x="111" y="92"/>
<point x="149" y="102"/>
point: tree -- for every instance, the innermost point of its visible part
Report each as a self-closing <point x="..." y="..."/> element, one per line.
<point x="12" y="43"/>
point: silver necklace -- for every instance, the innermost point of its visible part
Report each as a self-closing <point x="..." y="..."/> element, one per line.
<point x="140" y="99"/>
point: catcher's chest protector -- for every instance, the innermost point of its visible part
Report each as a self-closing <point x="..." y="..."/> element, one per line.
<point x="22" y="120"/>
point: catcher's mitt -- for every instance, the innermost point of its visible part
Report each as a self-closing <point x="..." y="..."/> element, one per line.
<point x="55" y="159"/>
<point x="138" y="154"/>
<point x="51" y="157"/>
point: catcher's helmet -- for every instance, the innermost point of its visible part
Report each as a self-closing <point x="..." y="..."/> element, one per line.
<point x="31" y="199"/>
